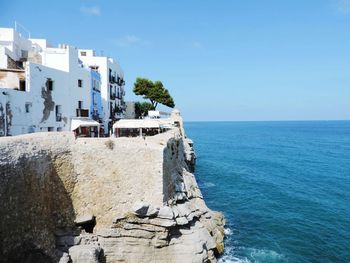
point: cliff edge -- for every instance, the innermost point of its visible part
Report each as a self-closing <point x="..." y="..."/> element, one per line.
<point x="103" y="200"/>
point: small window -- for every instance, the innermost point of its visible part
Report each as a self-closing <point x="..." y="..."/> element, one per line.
<point x="50" y="129"/>
<point x="59" y="129"/>
<point x="58" y="113"/>
<point x="80" y="104"/>
<point x="49" y="84"/>
<point x="28" y="105"/>
<point x="83" y="53"/>
<point x="22" y="85"/>
<point x="80" y="83"/>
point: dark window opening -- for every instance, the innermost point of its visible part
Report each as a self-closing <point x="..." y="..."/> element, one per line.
<point x="80" y="83"/>
<point x="111" y="110"/>
<point x="22" y="85"/>
<point x="83" y="53"/>
<point x="49" y="84"/>
<point x="58" y="113"/>
<point x="50" y="129"/>
<point x="19" y="65"/>
<point x="28" y="105"/>
<point x="80" y="104"/>
<point x="95" y="68"/>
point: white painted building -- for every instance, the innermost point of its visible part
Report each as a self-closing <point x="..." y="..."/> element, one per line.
<point x="43" y="88"/>
<point x="112" y="84"/>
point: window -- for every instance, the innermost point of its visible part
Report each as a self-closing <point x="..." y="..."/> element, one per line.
<point x="95" y="68"/>
<point x="80" y="104"/>
<point x="83" y="53"/>
<point x="28" y="105"/>
<point x="58" y="113"/>
<point x="80" y="83"/>
<point x="96" y="85"/>
<point x="50" y="129"/>
<point x="59" y="129"/>
<point x="49" y="84"/>
<point x="22" y="85"/>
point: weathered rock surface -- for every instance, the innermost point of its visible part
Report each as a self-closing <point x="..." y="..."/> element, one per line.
<point x="67" y="200"/>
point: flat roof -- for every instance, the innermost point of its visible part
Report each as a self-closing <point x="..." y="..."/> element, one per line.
<point x="136" y="124"/>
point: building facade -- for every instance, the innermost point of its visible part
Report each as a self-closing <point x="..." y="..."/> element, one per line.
<point x="43" y="88"/>
<point x="112" y="85"/>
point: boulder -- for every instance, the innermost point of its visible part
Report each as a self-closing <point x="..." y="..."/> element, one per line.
<point x="166" y="212"/>
<point x="181" y="221"/>
<point x="142" y="209"/>
<point x="85" y="253"/>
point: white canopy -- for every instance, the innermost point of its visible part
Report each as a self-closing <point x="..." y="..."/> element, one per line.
<point x="136" y="124"/>
<point x="83" y="122"/>
<point x="166" y="122"/>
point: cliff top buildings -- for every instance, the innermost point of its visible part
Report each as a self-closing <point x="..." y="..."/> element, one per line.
<point x="43" y="88"/>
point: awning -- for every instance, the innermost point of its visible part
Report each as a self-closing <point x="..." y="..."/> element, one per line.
<point x="136" y="124"/>
<point x="166" y="122"/>
<point x="83" y="122"/>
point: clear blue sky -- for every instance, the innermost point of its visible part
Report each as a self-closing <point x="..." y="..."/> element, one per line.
<point x="221" y="60"/>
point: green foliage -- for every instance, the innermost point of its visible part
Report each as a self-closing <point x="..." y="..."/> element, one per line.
<point x="142" y="108"/>
<point x="154" y="91"/>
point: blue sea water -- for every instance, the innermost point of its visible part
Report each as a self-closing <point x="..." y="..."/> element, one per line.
<point x="284" y="188"/>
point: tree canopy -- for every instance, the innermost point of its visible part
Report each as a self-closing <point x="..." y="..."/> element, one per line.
<point x="154" y="91"/>
<point x="142" y="108"/>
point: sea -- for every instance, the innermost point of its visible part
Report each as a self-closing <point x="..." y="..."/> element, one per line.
<point x="284" y="188"/>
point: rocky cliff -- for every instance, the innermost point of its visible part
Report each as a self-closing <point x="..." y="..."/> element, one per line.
<point x="103" y="200"/>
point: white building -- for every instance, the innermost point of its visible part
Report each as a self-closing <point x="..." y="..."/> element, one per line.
<point x="112" y="84"/>
<point x="43" y="88"/>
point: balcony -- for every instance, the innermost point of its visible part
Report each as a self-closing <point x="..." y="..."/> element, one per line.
<point x="113" y="79"/>
<point x="119" y="95"/>
<point x="82" y="113"/>
<point x="120" y="82"/>
<point x="112" y="96"/>
<point x="95" y="115"/>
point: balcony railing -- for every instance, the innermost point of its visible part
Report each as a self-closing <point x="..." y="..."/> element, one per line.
<point x="120" y="82"/>
<point x="82" y="113"/>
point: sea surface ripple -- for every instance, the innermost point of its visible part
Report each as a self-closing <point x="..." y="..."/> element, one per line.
<point x="284" y="188"/>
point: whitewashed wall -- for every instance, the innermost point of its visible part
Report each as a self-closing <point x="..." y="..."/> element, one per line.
<point x="104" y="64"/>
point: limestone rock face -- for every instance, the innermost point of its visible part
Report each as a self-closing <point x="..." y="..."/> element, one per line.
<point x="67" y="200"/>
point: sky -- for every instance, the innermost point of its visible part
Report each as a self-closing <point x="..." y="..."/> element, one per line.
<point x="228" y="60"/>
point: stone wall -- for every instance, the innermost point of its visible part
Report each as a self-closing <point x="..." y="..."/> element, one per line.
<point x="103" y="200"/>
